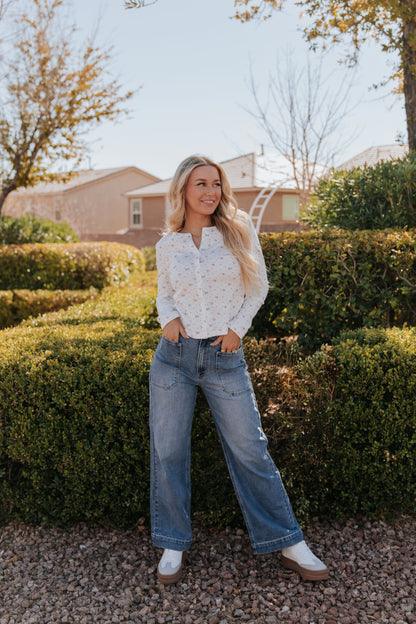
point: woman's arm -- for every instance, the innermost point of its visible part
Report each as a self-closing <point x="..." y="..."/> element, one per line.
<point x="165" y="302"/>
<point x="241" y="322"/>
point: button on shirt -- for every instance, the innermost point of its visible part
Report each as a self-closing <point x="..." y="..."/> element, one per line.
<point x="204" y="287"/>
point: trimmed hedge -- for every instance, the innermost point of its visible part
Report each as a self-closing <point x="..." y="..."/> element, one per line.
<point x="348" y="418"/>
<point x="74" y="403"/>
<point x="67" y="266"/>
<point x="372" y="463"/>
<point x="366" y="198"/>
<point x="74" y="439"/>
<point x="150" y="258"/>
<point x="323" y="283"/>
<point x="17" y="305"/>
<point x="29" y="229"/>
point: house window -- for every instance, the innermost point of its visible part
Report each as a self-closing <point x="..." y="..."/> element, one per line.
<point x="290" y="207"/>
<point x="136" y="213"/>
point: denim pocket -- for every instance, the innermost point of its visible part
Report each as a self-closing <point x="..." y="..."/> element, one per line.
<point x="174" y="342"/>
<point x="164" y="371"/>
<point x="232" y="372"/>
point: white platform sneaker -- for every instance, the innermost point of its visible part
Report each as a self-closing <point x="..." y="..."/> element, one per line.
<point x="170" y="568"/>
<point x="301" y="559"/>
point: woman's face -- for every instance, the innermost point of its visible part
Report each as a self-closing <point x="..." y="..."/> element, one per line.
<point x="203" y="191"/>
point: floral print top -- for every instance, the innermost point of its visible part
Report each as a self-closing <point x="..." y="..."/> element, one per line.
<point x="204" y="287"/>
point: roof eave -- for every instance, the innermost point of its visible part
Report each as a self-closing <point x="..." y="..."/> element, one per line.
<point x="111" y="175"/>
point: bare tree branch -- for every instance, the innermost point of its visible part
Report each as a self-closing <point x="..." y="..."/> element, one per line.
<point x="301" y="116"/>
<point x="137" y="4"/>
<point x="4" y="5"/>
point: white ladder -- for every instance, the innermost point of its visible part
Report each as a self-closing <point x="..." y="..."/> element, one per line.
<point x="259" y="205"/>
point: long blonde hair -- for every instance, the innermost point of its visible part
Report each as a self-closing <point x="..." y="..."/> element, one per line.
<point x="232" y="223"/>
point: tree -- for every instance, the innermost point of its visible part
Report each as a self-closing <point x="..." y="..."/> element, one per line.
<point x="392" y="23"/>
<point x="302" y="116"/>
<point x="52" y="94"/>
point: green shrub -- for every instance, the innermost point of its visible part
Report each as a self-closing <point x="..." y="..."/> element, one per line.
<point x="150" y="258"/>
<point x="74" y="439"/>
<point x="74" y="411"/>
<point x="366" y="198"/>
<point x="374" y="421"/>
<point x="351" y="415"/>
<point x="17" y="305"/>
<point x="323" y="283"/>
<point x="28" y="229"/>
<point x="74" y="266"/>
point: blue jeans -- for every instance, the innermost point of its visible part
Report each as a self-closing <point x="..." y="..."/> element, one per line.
<point x="178" y="368"/>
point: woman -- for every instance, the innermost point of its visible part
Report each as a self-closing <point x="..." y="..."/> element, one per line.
<point x="211" y="282"/>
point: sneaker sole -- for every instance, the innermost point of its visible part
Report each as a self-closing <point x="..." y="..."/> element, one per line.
<point x="169" y="579"/>
<point x="307" y="575"/>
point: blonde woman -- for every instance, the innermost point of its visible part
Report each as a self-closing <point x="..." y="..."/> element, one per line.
<point x="211" y="282"/>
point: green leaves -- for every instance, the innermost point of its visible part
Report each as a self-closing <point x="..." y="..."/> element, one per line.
<point x="17" y="305"/>
<point x="341" y="423"/>
<point x="28" y="229"/>
<point x="324" y="282"/>
<point x="74" y="411"/>
<point x="73" y="266"/>
<point x="366" y="198"/>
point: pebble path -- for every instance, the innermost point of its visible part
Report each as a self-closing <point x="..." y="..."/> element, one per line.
<point x="89" y="575"/>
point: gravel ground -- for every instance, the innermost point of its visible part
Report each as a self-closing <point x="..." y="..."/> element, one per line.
<point x="89" y="575"/>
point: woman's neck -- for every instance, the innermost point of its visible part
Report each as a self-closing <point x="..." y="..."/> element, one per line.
<point x="194" y="225"/>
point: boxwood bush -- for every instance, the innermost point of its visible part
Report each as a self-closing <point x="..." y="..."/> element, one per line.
<point x="17" y="305"/>
<point x="350" y="439"/>
<point x="74" y="439"/>
<point x="68" y="266"/>
<point x="74" y="403"/>
<point x="366" y="198"/>
<point x="324" y="282"/>
<point x="373" y="422"/>
<point x="150" y="258"/>
<point x="29" y="229"/>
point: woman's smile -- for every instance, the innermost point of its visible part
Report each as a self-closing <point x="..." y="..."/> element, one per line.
<point x="203" y="191"/>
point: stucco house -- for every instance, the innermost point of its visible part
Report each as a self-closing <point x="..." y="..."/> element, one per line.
<point x="91" y="201"/>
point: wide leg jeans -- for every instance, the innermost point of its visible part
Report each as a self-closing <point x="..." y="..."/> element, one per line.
<point x="178" y="368"/>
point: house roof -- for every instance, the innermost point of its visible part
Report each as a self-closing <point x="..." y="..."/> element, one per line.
<point x="156" y="189"/>
<point x="250" y="171"/>
<point x="81" y="178"/>
<point x="373" y="155"/>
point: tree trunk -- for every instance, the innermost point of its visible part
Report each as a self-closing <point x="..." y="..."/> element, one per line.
<point x="3" y="194"/>
<point x="409" y="78"/>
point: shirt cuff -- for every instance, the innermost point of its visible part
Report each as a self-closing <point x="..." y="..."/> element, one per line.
<point x="167" y="318"/>
<point x="238" y="329"/>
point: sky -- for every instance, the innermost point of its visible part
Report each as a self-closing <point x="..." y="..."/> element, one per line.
<point x="191" y="65"/>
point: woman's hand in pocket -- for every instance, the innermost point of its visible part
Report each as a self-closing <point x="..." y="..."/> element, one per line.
<point x="174" y="329"/>
<point x="229" y="342"/>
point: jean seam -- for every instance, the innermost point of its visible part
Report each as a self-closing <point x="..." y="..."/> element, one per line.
<point x="294" y="537"/>
<point x="154" y="506"/>
<point x="234" y="482"/>
<point x="176" y="363"/>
